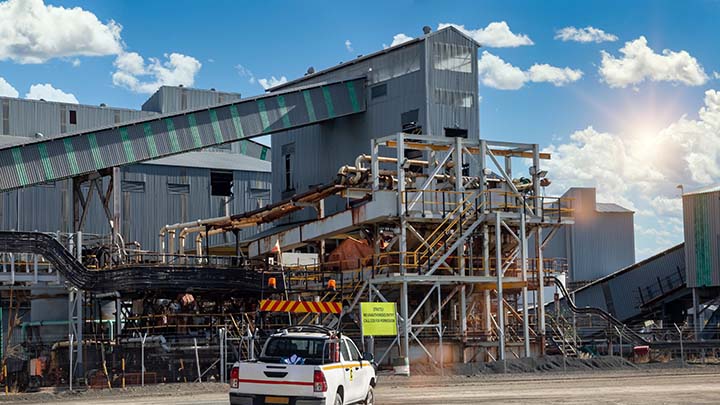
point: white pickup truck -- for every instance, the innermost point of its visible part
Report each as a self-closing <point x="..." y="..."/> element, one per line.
<point x="305" y="365"/>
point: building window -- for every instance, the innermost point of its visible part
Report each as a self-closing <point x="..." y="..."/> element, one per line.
<point x="63" y="119"/>
<point x="288" y="153"/>
<point x="183" y="100"/>
<point x="455" y="58"/>
<point x="378" y="91"/>
<point x="73" y="117"/>
<point x="453" y="98"/>
<point x="6" y="117"/>
<point x="178" y="188"/>
<point x="221" y="183"/>
<point x="131" y="186"/>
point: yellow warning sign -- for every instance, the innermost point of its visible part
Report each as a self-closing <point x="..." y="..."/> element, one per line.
<point x="378" y="318"/>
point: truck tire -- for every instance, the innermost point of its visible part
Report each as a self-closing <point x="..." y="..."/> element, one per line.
<point x="338" y="399"/>
<point x="369" y="397"/>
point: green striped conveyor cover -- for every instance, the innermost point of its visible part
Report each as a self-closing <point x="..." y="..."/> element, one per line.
<point x="91" y="151"/>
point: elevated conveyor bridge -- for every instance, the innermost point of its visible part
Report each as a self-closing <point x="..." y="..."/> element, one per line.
<point x="93" y="151"/>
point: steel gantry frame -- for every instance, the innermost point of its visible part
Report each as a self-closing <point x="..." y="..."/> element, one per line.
<point x="484" y="197"/>
<point x="450" y="221"/>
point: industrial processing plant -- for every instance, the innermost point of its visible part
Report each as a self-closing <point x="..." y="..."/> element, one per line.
<point x="164" y="244"/>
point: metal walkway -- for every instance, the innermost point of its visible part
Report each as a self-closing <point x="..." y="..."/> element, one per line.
<point x="92" y="151"/>
<point x="134" y="279"/>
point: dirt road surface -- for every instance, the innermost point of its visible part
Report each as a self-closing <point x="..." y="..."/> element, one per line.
<point x="645" y="387"/>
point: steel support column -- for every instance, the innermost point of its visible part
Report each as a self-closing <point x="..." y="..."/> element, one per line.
<point x="404" y="310"/>
<point x="498" y="269"/>
<point x="523" y="268"/>
<point x="541" y="289"/>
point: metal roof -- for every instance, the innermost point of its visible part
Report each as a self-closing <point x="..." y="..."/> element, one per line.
<point x="215" y="160"/>
<point x="611" y="207"/>
<point x="704" y="190"/>
<point x="170" y="134"/>
<point x="343" y="65"/>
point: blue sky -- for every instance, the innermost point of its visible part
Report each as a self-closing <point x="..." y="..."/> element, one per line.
<point x="630" y="138"/>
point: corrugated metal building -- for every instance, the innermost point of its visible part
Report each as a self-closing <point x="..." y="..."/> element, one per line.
<point x="624" y="293"/>
<point x="600" y="242"/>
<point x="165" y="191"/>
<point x="701" y="217"/>
<point x="429" y="83"/>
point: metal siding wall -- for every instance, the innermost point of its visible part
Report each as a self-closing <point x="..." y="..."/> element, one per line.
<point x="28" y="117"/>
<point x="701" y="217"/>
<point x="599" y="243"/>
<point x="380" y="68"/>
<point x="145" y="213"/>
<point x="443" y="115"/>
<point x="320" y="150"/>
<point x="602" y="245"/>
<point x="624" y="287"/>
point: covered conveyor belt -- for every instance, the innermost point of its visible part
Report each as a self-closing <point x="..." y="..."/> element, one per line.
<point x="92" y="151"/>
<point x="132" y="280"/>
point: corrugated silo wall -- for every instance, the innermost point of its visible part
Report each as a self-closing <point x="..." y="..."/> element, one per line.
<point x="320" y="150"/>
<point x="165" y="202"/>
<point x="701" y="217"/>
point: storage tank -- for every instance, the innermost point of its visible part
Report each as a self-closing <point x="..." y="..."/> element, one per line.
<point x="701" y="217"/>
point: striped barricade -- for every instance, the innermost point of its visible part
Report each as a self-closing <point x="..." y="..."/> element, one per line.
<point x="300" y="306"/>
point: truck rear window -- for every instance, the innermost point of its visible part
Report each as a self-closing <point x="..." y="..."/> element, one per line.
<point x="305" y="350"/>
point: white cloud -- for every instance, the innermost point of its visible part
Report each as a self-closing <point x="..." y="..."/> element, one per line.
<point x="716" y="75"/>
<point x="272" y="82"/>
<point x="555" y="75"/>
<point x="49" y="93"/>
<point x="139" y="76"/>
<point x="496" y="73"/>
<point x="641" y="172"/>
<point x="495" y="35"/>
<point x="587" y="34"/>
<point x="348" y="45"/>
<point x="32" y="32"/>
<point x="399" y="39"/>
<point x="245" y="72"/>
<point x="640" y="63"/>
<point x="7" y="90"/>
<point x="75" y="62"/>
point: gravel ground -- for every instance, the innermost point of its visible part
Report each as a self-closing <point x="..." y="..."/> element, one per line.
<point x="627" y="385"/>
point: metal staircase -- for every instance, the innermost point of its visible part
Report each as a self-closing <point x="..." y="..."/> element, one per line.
<point x="444" y="239"/>
<point x="559" y="339"/>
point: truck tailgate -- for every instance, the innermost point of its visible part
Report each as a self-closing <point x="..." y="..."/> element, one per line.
<point x="276" y="379"/>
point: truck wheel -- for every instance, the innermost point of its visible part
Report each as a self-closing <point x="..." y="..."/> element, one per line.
<point x="370" y="397"/>
<point x="338" y="399"/>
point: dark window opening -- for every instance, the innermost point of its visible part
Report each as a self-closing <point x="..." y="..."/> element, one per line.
<point x="221" y="184"/>
<point x="288" y="152"/>
<point x="73" y="117"/>
<point x="288" y="172"/>
<point x="378" y="91"/>
<point x="409" y="122"/>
